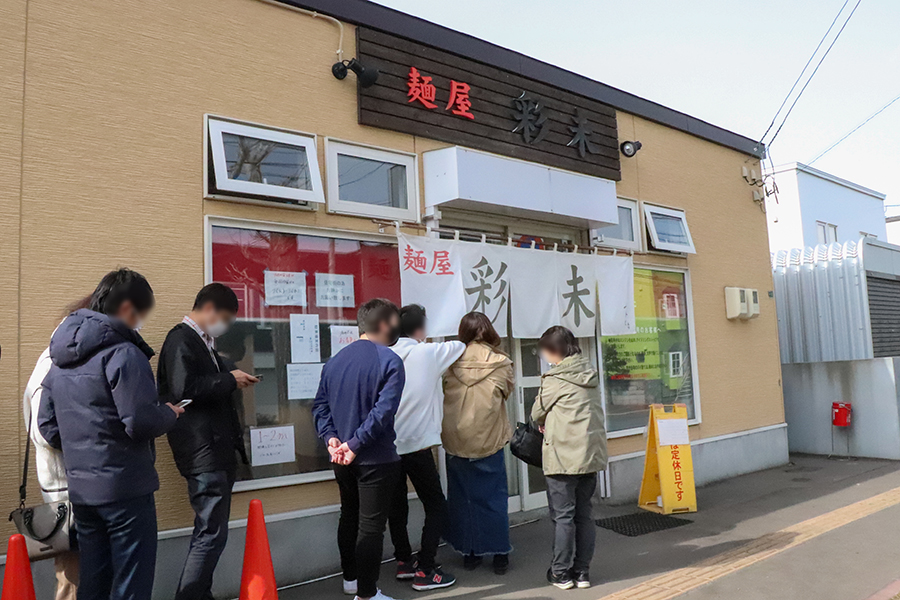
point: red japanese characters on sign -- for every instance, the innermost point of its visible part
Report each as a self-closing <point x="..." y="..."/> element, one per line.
<point x="459" y="100"/>
<point x="676" y="466"/>
<point x="423" y="91"/>
<point x="416" y="260"/>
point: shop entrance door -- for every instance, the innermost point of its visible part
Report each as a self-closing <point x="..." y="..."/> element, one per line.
<point x="532" y="485"/>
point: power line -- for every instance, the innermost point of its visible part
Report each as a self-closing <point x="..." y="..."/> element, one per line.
<point x="854" y="130"/>
<point x="813" y="74"/>
<point x="806" y="66"/>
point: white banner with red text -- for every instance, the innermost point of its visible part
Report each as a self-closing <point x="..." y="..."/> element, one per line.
<point x="526" y="289"/>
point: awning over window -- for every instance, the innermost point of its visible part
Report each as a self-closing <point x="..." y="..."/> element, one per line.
<point x="457" y="177"/>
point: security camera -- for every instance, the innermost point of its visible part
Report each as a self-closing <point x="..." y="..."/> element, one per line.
<point x="629" y="149"/>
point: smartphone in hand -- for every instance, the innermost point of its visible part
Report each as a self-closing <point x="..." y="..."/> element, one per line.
<point x="184" y="403"/>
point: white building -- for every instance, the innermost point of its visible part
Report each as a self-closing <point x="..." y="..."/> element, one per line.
<point x="814" y="207"/>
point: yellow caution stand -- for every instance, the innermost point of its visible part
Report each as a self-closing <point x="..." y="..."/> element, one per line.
<point x="668" y="484"/>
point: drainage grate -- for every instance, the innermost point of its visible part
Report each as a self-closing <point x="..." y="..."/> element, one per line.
<point x="641" y="523"/>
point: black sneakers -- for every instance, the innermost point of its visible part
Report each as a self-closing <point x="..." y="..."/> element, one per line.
<point x="471" y="562"/>
<point x="501" y="564"/>
<point x="563" y="581"/>
<point x="406" y="569"/>
<point x="582" y="580"/>
<point x="432" y="580"/>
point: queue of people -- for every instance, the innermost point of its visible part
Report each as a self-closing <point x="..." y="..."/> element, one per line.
<point x="383" y="406"/>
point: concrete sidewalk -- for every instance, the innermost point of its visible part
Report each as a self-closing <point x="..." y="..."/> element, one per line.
<point x="748" y="526"/>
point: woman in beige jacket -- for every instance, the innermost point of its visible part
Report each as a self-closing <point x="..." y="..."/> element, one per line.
<point x="475" y="429"/>
<point x="570" y="413"/>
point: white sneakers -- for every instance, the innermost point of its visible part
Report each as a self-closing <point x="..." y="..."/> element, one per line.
<point x="379" y="596"/>
<point x="350" y="587"/>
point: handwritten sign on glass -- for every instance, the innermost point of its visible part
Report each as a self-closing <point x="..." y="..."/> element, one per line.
<point x="305" y="339"/>
<point x="285" y="288"/>
<point x="303" y="380"/>
<point x="335" y="290"/>
<point x="272" y="445"/>
<point x="342" y="336"/>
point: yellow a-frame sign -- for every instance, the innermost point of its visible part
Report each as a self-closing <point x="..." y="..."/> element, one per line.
<point x="668" y="484"/>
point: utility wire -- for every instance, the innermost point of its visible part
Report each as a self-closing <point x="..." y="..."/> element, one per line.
<point x="813" y="74"/>
<point x="854" y="130"/>
<point x="800" y="76"/>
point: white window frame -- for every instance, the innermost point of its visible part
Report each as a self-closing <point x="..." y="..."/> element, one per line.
<point x="692" y="347"/>
<point x="217" y="221"/>
<point x="649" y="211"/>
<point x="216" y="126"/>
<point x="410" y="214"/>
<point x="679" y="372"/>
<point x="635" y="228"/>
<point x="823" y="230"/>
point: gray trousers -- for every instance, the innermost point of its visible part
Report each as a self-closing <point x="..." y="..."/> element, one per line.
<point x="210" y="495"/>
<point x="569" y="498"/>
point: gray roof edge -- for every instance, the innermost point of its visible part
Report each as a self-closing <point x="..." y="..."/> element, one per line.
<point x="388" y="20"/>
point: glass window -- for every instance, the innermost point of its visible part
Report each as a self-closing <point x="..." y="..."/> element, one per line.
<point x="259" y="163"/>
<point x="668" y="229"/>
<point x="371" y="182"/>
<point x="626" y="234"/>
<point x="652" y="366"/>
<point x="277" y="275"/>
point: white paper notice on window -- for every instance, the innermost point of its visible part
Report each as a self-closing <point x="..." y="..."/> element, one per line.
<point x="673" y="432"/>
<point x="285" y="288"/>
<point x="271" y="445"/>
<point x="335" y="290"/>
<point x="303" y="380"/>
<point x="342" y="336"/>
<point x="305" y="339"/>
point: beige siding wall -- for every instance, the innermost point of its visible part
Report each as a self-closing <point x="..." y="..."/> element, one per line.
<point x="12" y="71"/>
<point x="112" y="176"/>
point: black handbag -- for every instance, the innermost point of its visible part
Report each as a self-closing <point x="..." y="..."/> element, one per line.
<point x="527" y="444"/>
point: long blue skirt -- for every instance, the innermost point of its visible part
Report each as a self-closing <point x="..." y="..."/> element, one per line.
<point x="478" y="500"/>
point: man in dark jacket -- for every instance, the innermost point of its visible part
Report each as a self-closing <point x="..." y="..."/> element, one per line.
<point x="100" y="407"/>
<point x="207" y="436"/>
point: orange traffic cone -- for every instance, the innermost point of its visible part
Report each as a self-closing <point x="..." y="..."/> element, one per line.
<point x="258" y="577"/>
<point x="17" y="581"/>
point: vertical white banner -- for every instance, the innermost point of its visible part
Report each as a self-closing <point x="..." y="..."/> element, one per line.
<point x="431" y="275"/>
<point x="615" y="284"/>
<point x="576" y="289"/>
<point x="532" y="293"/>
<point x="485" y="277"/>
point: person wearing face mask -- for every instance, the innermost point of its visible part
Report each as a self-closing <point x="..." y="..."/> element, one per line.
<point x="99" y="406"/>
<point x="569" y="411"/>
<point x="208" y="437"/>
<point x="354" y="409"/>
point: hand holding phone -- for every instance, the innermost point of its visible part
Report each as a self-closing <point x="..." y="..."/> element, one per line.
<point x="184" y="403"/>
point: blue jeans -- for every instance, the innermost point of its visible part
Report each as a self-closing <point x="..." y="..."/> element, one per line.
<point x="210" y="495"/>
<point x="117" y="543"/>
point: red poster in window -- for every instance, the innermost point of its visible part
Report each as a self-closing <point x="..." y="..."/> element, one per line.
<point x="241" y="257"/>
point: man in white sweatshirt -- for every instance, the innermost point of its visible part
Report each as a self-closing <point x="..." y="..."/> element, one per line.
<point x="418" y="428"/>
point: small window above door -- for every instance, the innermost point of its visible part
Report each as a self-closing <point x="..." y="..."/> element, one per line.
<point x="260" y="163"/>
<point x="371" y="182"/>
<point x="668" y="229"/>
<point x="625" y="235"/>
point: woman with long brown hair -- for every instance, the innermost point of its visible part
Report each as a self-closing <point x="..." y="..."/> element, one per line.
<point x="475" y="430"/>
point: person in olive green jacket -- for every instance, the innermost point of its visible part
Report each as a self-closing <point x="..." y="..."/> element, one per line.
<point x="569" y="412"/>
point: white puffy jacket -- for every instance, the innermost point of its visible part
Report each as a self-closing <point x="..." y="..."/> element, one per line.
<point x="418" y="420"/>
<point x="51" y="471"/>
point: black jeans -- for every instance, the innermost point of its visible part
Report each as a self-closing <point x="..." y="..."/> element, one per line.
<point x="420" y="468"/>
<point x="569" y="497"/>
<point x="366" y="492"/>
<point x="117" y="544"/>
<point x="210" y="495"/>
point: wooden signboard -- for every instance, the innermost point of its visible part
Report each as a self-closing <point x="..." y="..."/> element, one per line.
<point x="668" y="484"/>
<point x="435" y="94"/>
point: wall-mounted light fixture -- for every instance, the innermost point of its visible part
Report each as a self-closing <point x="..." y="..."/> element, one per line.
<point x="629" y="149"/>
<point x="367" y="76"/>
